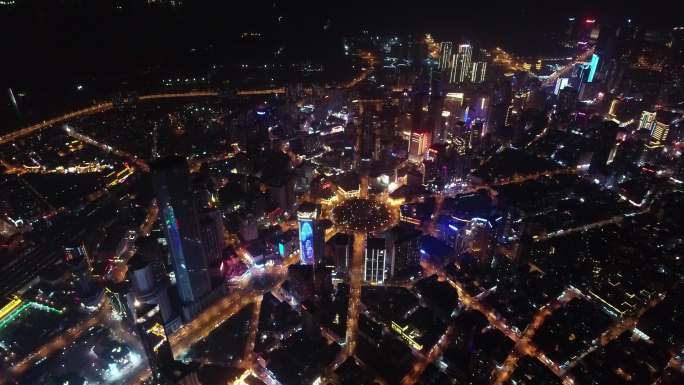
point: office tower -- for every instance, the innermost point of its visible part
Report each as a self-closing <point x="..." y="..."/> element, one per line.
<point x="478" y="72"/>
<point x="152" y="289"/>
<point x="453" y="70"/>
<point x="148" y="326"/>
<point x="477" y="240"/>
<point x="593" y="66"/>
<point x="565" y="106"/>
<point x="660" y="127"/>
<point x="311" y="234"/>
<point x="614" y="108"/>
<point x="465" y="55"/>
<point x="500" y="103"/>
<point x="647" y="119"/>
<point x="445" y="55"/>
<point x="560" y="84"/>
<point x="249" y="229"/>
<point x="367" y="136"/>
<point x="659" y="131"/>
<point x="79" y="263"/>
<point x="281" y="191"/>
<point x="677" y="56"/>
<point x="418" y="145"/>
<point x="461" y="70"/>
<point x="449" y="230"/>
<point x="339" y="249"/>
<point x="285" y="244"/>
<point x="213" y="241"/>
<point x="165" y="370"/>
<point x="604" y="144"/>
<point x="76" y="252"/>
<point x="80" y="269"/>
<point x="377" y="265"/>
<point x="406" y="251"/>
<point x="181" y="223"/>
<point x="567" y="99"/>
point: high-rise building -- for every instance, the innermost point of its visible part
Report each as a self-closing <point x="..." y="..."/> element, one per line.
<point x="367" y="136"/>
<point x="502" y="97"/>
<point x="181" y="224"/>
<point x="659" y="131"/>
<point x="213" y="241"/>
<point x="405" y="248"/>
<point x="445" y="55"/>
<point x="604" y="144"/>
<point x="453" y="72"/>
<point x="249" y="229"/>
<point x="79" y="263"/>
<point x="150" y="331"/>
<point x="677" y="56"/>
<point x="377" y="265"/>
<point x="465" y="56"/>
<point x="149" y="289"/>
<point x="478" y="72"/>
<point x="281" y="191"/>
<point x="418" y="144"/>
<point x="658" y="125"/>
<point x="340" y="251"/>
<point x="311" y="234"/>
<point x="560" y="84"/>
<point x="647" y="119"/>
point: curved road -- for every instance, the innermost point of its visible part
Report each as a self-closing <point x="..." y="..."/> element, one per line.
<point x="105" y="106"/>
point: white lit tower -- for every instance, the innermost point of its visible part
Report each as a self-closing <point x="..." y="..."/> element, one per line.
<point x="445" y="55"/>
<point x="465" y="55"/>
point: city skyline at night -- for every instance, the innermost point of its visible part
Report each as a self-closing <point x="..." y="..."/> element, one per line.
<point x="211" y="193"/>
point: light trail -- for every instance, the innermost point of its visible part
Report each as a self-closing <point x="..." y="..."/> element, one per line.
<point x="584" y="56"/>
<point x="525" y="346"/>
<point x="419" y="367"/>
<point x="248" y="358"/>
<point x="356" y="274"/>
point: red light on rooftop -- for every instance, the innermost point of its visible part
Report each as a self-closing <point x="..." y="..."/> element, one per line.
<point x="590" y="21"/>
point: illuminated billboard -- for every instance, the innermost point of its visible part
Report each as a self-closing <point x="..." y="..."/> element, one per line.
<point x="306" y="246"/>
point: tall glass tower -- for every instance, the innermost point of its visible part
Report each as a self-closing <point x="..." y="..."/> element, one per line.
<point x="181" y="223"/>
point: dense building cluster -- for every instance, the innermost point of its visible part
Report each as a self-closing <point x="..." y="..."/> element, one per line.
<point x="410" y="209"/>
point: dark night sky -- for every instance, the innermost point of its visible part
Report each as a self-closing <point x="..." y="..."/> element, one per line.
<point x="46" y="42"/>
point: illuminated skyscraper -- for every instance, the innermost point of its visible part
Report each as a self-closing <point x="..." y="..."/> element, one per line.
<point x="311" y="234"/>
<point x="377" y="266"/>
<point x="647" y="119"/>
<point x="181" y="224"/>
<point x="418" y="144"/>
<point x="659" y="131"/>
<point x="465" y="54"/>
<point x="478" y="72"/>
<point x="660" y="127"/>
<point x="453" y="73"/>
<point x="462" y="67"/>
<point x="445" y="55"/>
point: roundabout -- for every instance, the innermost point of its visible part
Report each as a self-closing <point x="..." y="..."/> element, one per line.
<point x="362" y="215"/>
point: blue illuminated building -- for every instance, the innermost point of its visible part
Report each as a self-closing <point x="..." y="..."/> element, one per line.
<point x="180" y="216"/>
<point x="311" y="235"/>
<point x="593" y="64"/>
